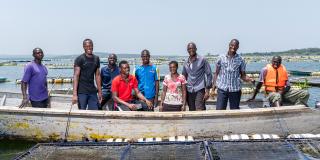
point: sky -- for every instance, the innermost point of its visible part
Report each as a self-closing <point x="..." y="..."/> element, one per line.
<point x="163" y="27"/>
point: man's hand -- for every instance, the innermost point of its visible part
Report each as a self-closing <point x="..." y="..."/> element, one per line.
<point x="206" y="95"/>
<point x="24" y="103"/>
<point x="149" y="104"/>
<point x="133" y="107"/>
<point x="160" y="107"/>
<point x="251" y="99"/>
<point x="155" y="101"/>
<point x="183" y="108"/>
<point x="100" y="97"/>
<point x="74" y="99"/>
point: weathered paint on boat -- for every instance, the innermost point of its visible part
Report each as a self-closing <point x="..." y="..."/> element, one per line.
<point x="50" y="124"/>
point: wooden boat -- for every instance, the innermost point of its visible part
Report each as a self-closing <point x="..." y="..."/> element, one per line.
<point x="300" y="73"/>
<point x="3" y="79"/>
<point x="51" y="124"/>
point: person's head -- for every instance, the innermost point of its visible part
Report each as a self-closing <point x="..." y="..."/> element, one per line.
<point x="37" y="53"/>
<point x="276" y="61"/>
<point x="192" y="49"/>
<point x="233" y="46"/>
<point x="173" y="67"/>
<point x="145" y="56"/>
<point x="124" y="67"/>
<point x="88" y="46"/>
<point x="112" y="59"/>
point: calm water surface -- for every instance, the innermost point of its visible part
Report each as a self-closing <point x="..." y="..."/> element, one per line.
<point x="9" y="148"/>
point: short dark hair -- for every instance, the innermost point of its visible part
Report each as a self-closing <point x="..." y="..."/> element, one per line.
<point x="35" y="49"/>
<point x="192" y="43"/>
<point x="113" y="54"/>
<point x="174" y="62"/>
<point x="123" y="62"/>
<point x="145" y="51"/>
<point x="87" y="40"/>
<point x="237" y="41"/>
<point x="277" y="58"/>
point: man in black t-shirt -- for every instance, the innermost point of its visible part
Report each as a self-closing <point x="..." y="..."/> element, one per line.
<point x="86" y="70"/>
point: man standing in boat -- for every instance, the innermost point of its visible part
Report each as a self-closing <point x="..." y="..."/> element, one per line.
<point x="275" y="79"/>
<point x="197" y="71"/>
<point x="35" y="80"/>
<point x="230" y="68"/>
<point x="108" y="73"/>
<point x="86" y="70"/>
<point x="147" y="75"/>
<point x="122" y="87"/>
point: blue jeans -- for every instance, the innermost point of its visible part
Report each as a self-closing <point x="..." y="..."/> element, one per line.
<point x="88" y="99"/>
<point x="224" y="96"/>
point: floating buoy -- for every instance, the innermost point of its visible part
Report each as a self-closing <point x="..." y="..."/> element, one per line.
<point x="67" y="80"/>
<point x="58" y="80"/>
<point x="49" y="80"/>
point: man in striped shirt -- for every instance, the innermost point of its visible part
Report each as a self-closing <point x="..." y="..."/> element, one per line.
<point x="230" y="69"/>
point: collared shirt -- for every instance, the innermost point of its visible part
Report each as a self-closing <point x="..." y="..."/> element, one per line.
<point x="198" y="74"/>
<point x="123" y="88"/>
<point x="230" y="72"/>
<point x="147" y="75"/>
<point x="35" y="75"/>
<point x="107" y="75"/>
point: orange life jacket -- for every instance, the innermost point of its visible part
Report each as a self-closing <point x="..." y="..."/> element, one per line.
<point x="273" y="82"/>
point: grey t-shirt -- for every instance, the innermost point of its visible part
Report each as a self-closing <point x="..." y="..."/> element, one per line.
<point x="88" y="67"/>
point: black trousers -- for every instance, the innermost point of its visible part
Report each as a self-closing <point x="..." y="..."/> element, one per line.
<point x="224" y="96"/>
<point x="195" y="100"/>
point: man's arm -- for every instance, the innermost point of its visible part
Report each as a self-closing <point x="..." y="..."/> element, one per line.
<point x="258" y="87"/>
<point x="118" y="100"/>
<point x="155" y="103"/>
<point x="208" y="80"/>
<point x="140" y="96"/>
<point x="76" y="75"/>
<point x="25" y="100"/>
<point x="98" y="83"/>
<point x="246" y="78"/>
<point x="215" y="76"/>
<point x="184" y="97"/>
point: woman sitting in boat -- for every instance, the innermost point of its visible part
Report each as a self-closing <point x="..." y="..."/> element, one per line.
<point x="174" y="92"/>
<point x="275" y="79"/>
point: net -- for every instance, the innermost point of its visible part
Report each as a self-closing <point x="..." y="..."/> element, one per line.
<point x="293" y="149"/>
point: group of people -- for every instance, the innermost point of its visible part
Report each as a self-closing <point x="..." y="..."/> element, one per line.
<point x="112" y="87"/>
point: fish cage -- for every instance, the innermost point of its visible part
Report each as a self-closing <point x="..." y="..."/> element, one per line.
<point x="293" y="149"/>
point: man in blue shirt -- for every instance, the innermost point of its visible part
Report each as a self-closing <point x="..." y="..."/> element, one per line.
<point x="147" y="75"/>
<point x="108" y="72"/>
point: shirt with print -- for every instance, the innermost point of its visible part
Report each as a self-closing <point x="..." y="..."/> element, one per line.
<point x="88" y="67"/>
<point x="174" y="89"/>
<point x="123" y="88"/>
<point x="230" y="72"/>
<point x="107" y="75"/>
<point x="198" y="74"/>
<point x="147" y="75"/>
<point x="35" y="75"/>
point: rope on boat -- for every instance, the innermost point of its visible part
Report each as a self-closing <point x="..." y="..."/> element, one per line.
<point x="285" y="131"/>
<point x="125" y="152"/>
<point x="68" y="125"/>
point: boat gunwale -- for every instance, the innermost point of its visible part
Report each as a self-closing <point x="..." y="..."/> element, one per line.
<point x="158" y="115"/>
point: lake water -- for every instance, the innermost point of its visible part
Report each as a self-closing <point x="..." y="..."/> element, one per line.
<point x="9" y="148"/>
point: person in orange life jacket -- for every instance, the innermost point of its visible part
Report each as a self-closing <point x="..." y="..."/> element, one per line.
<point x="275" y="79"/>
